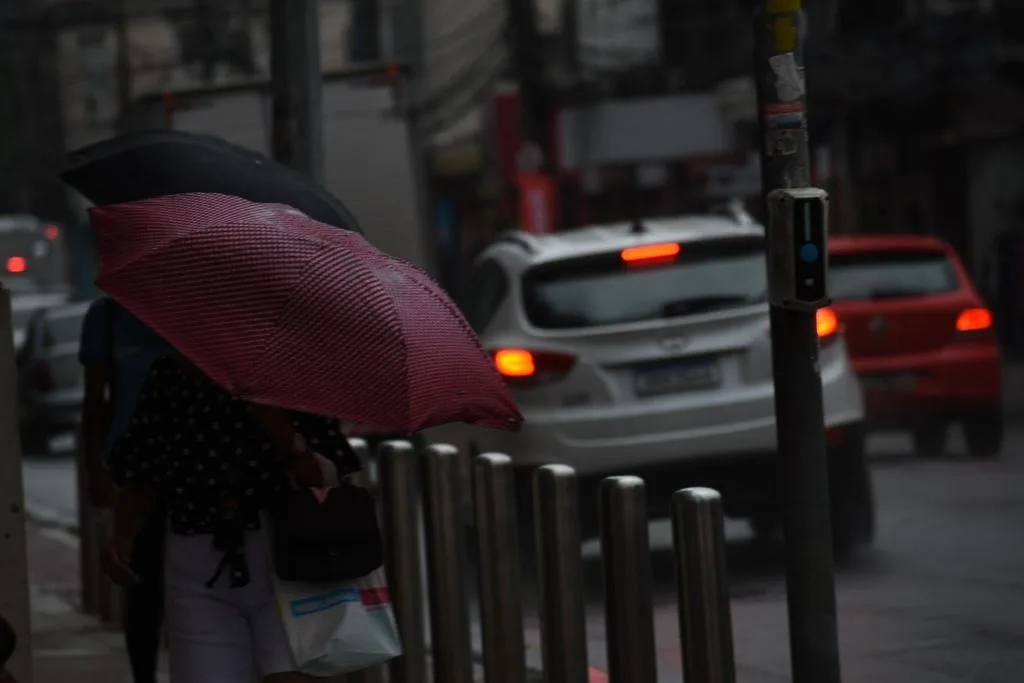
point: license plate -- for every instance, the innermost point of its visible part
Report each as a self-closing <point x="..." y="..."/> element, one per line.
<point x="901" y="383"/>
<point x="672" y="379"/>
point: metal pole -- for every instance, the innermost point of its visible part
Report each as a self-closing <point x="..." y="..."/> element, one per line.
<point x="406" y="19"/>
<point x="810" y="582"/>
<point x="501" y="590"/>
<point x="400" y="492"/>
<point x="705" y="623"/>
<point x="560" y="565"/>
<point x="14" y="588"/>
<point x="125" y="82"/>
<point x="297" y="86"/>
<point x="373" y="674"/>
<point x="446" y="566"/>
<point x="626" y="556"/>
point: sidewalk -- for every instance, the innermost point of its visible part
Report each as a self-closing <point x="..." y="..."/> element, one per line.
<point x="68" y="647"/>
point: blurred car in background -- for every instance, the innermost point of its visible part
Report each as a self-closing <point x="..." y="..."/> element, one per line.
<point x="645" y="349"/>
<point x="25" y="304"/>
<point x="921" y="339"/>
<point x="51" y="382"/>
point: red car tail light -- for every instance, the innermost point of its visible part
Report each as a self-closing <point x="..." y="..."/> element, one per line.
<point x="826" y="323"/>
<point x="974" y="320"/>
<point x="523" y="366"/>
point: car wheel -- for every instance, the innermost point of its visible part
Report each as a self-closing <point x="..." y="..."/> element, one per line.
<point x="983" y="433"/>
<point x="852" y="498"/>
<point x="930" y="439"/>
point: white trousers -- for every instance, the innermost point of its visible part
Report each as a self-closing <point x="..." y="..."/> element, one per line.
<point x="222" y="634"/>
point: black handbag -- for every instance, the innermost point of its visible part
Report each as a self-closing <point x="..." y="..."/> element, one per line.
<point x="326" y="535"/>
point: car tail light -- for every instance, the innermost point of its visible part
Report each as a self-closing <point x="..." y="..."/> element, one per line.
<point x="523" y="366"/>
<point x="827" y="323"/>
<point x="974" y="320"/>
<point x="42" y="377"/>
<point x="650" y="253"/>
<point x="16" y="264"/>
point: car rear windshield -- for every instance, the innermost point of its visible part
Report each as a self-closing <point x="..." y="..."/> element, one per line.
<point x="890" y="274"/>
<point x="64" y="327"/>
<point x="604" y="290"/>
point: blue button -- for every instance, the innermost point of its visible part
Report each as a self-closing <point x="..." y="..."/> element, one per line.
<point x="809" y="253"/>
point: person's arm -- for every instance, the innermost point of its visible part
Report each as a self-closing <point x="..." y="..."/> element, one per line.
<point x="308" y="467"/>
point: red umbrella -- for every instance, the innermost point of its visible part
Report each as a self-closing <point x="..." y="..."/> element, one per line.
<point x="285" y="311"/>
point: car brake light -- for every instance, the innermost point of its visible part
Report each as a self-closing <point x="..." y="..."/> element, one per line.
<point x="826" y="322"/>
<point x="532" y="366"/>
<point x="16" y="264"/>
<point x="974" y="320"/>
<point x="650" y="252"/>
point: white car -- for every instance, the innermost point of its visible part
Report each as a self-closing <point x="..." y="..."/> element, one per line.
<point x="644" y="349"/>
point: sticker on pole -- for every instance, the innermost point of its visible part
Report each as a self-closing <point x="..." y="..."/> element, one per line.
<point x="781" y="143"/>
<point x="789" y="81"/>
<point x="784" y="115"/>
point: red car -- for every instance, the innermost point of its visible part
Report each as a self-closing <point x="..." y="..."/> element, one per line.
<point x="920" y="338"/>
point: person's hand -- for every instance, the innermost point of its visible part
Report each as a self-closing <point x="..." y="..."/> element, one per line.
<point x="116" y="560"/>
<point x="101" y="490"/>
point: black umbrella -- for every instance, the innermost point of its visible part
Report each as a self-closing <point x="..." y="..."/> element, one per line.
<point x="147" y="164"/>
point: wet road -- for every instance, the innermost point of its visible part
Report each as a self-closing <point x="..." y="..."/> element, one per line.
<point x="940" y="597"/>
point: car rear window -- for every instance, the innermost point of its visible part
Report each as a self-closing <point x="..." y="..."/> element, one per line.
<point x="64" y="327"/>
<point x="890" y="274"/>
<point x="604" y="290"/>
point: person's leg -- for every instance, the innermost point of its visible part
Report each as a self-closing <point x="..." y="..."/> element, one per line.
<point x="145" y="599"/>
<point x="208" y="632"/>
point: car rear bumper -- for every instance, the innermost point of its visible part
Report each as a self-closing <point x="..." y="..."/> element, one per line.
<point x="953" y="380"/>
<point x="602" y="444"/>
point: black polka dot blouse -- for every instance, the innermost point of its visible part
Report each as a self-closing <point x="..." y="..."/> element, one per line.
<point x="199" y="446"/>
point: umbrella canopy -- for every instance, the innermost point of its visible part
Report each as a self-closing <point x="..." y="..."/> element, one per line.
<point x="157" y="163"/>
<point x="283" y="310"/>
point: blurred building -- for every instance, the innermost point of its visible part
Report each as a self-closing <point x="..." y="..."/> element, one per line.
<point x="930" y="98"/>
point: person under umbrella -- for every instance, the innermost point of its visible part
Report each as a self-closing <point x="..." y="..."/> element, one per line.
<point x="116" y="351"/>
<point x="276" y="319"/>
<point x="217" y="463"/>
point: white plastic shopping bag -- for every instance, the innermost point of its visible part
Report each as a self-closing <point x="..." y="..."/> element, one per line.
<point x="338" y="628"/>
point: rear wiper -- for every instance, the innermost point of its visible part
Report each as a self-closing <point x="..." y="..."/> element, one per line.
<point x="703" y="304"/>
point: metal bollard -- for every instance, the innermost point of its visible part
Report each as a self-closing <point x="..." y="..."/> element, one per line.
<point x="626" y="556"/>
<point x="560" y="565"/>
<point x="400" y="489"/>
<point x="446" y="566"/>
<point x="374" y="674"/>
<point x="705" y="622"/>
<point x="362" y="452"/>
<point x="501" y="590"/>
